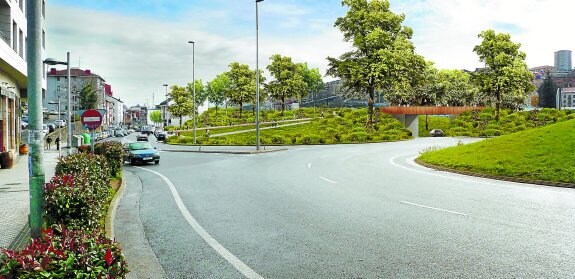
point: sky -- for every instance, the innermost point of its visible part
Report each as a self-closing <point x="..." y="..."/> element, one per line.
<point x="139" y="45"/>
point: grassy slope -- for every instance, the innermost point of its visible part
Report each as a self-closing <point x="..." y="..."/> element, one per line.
<point x="546" y="153"/>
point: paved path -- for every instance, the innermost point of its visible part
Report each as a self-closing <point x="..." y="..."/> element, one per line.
<point x="14" y="195"/>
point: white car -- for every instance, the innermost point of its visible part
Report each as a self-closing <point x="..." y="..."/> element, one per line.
<point x="60" y="123"/>
<point x="45" y="129"/>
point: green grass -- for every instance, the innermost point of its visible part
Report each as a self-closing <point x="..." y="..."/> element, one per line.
<point x="337" y="126"/>
<point x="546" y="153"/>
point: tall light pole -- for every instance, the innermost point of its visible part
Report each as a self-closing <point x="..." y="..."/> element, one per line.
<point x="59" y="128"/>
<point x="51" y="61"/>
<point x="257" y="81"/>
<point x="36" y="178"/>
<point x="166" y="107"/>
<point x="194" y="85"/>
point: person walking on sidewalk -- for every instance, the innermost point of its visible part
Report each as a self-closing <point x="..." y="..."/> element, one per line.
<point x="57" y="141"/>
<point x="48" y="142"/>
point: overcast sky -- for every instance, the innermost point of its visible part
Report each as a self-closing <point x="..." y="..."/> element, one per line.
<point x="138" y="45"/>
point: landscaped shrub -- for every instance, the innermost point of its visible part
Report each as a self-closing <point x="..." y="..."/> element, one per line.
<point x="114" y="153"/>
<point x="94" y="168"/>
<point x="62" y="253"/>
<point x="490" y="133"/>
<point x="278" y="139"/>
<point x="72" y="201"/>
<point x="358" y="137"/>
<point x="85" y="148"/>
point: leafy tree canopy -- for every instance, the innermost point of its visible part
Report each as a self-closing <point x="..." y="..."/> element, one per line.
<point x="288" y="81"/>
<point x="182" y="102"/>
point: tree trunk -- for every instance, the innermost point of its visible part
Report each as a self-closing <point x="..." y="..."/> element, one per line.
<point x="241" y="108"/>
<point x="181" y="121"/>
<point x="283" y="105"/>
<point x="426" y="122"/>
<point x="497" y="105"/>
<point x="371" y="91"/>
<point x="216" y="110"/>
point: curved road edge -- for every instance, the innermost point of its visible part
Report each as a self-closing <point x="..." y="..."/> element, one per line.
<point x="496" y="177"/>
<point x="129" y="232"/>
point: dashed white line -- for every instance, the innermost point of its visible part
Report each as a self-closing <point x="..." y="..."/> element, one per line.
<point x="233" y="260"/>
<point x="309" y="165"/>
<point x="434" y="208"/>
<point x="324" y="156"/>
<point x="332" y="182"/>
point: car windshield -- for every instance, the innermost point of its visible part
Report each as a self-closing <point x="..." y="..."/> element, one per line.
<point x="140" y="146"/>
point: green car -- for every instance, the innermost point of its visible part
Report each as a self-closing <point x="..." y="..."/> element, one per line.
<point x="141" y="152"/>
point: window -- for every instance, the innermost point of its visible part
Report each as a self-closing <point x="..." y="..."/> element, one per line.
<point x="57" y="78"/>
<point x="22" y="5"/>
<point x="14" y="36"/>
<point x="43" y="39"/>
<point x="44" y="9"/>
<point x="21" y="42"/>
<point x="58" y="88"/>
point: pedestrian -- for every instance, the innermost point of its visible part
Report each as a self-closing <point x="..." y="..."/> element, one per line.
<point x="57" y="141"/>
<point x="48" y="141"/>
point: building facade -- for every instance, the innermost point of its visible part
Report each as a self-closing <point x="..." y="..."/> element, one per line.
<point x="563" y="61"/>
<point x="13" y="70"/>
<point x="136" y="116"/>
<point x="567" y="98"/>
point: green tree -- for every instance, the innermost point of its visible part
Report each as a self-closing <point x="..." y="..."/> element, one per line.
<point x="288" y="81"/>
<point x="548" y="92"/>
<point x="201" y="93"/>
<point x="505" y="78"/>
<point x="183" y="104"/>
<point x="383" y="56"/>
<point x="216" y="90"/>
<point x="156" y="116"/>
<point x="312" y="78"/>
<point x="88" y="96"/>
<point x="454" y="88"/>
<point x="242" y="87"/>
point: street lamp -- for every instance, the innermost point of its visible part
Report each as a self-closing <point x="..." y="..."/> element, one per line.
<point x="257" y="82"/>
<point x="51" y="61"/>
<point x="166" y="107"/>
<point x="194" y="84"/>
<point x="59" y="128"/>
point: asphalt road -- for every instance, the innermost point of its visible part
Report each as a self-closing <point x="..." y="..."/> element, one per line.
<point x="346" y="211"/>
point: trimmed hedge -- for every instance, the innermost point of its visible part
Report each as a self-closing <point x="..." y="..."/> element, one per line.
<point x="62" y="253"/>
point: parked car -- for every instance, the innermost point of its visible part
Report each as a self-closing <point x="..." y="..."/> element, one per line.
<point x="60" y="123"/>
<point x="142" y="137"/>
<point x="161" y="135"/>
<point x="53" y="112"/>
<point x="141" y="152"/>
<point x="23" y="124"/>
<point x="436" y="133"/>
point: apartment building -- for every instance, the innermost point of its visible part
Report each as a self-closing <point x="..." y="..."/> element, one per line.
<point x="13" y="70"/>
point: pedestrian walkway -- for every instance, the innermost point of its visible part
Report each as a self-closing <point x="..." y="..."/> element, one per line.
<point x="14" y="195"/>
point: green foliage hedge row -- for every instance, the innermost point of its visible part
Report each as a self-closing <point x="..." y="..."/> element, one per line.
<point x="114" y="153"/>
<point x="74" y="245"/>
<point x="344" y="125"/>
<point x="483" y="124"/>
<point x="62" y="253"/>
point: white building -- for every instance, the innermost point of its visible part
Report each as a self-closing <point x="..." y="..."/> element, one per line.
<point x="567" y="98"/>
<point x="13" y="69"/>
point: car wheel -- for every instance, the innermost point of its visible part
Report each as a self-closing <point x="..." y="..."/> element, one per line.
<point x="157" y="162"/>
<point x="132" y="162"/>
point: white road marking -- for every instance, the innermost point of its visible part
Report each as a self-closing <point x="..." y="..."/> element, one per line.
<point x="333" y="182"/>
<point x="452" y="176"/>
<point x="324" y="156"/>
<point x="309" y="165"/>
<point x="434" y="208"/>
<point x="233" y="260"/>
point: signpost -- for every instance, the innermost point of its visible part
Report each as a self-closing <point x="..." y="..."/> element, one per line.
<point x="91" y="119"/>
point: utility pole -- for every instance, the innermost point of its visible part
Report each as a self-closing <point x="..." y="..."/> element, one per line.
<point x="36" y="172"/>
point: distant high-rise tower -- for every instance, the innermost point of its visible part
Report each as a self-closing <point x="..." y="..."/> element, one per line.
<point x="563" y="61"/>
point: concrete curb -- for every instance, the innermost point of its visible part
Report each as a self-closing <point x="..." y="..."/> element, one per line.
<point x="224" y="152"/>
<point x="496" y="177"/>
<point x="111" y="214"/>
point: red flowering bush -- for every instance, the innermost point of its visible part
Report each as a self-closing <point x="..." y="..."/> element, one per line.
<point x="62" y="253"/>
<point x="72" y="201"/>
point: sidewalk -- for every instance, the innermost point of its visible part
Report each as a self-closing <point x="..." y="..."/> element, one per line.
<point x="14" y="195"/>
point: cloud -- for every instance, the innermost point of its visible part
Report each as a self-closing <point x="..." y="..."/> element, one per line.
<point x="137" y="54"/>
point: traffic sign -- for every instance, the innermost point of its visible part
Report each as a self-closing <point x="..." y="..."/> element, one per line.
<point x="92" y="119"/>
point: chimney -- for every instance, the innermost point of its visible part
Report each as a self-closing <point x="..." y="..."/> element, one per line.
<point x="53" y="71"/>
<point x="88" y="72"/>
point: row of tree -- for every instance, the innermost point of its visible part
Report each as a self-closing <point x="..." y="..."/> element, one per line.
<point x="383" y="59"/>
<point x="238" y="86"/>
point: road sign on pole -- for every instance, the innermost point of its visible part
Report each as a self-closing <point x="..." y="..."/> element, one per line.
<point x="91" y="118"/>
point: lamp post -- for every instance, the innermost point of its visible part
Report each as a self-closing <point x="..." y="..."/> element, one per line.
<point x="59" y="128"/>
<point x="257" y="81"/>
<point x="166" y="107"/>
<point x="194" y="85"/>
<point x="51" y="61"/>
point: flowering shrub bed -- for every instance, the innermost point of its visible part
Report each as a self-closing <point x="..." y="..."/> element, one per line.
<point x="62" y="253"/>
<point x="114" y="153"/>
